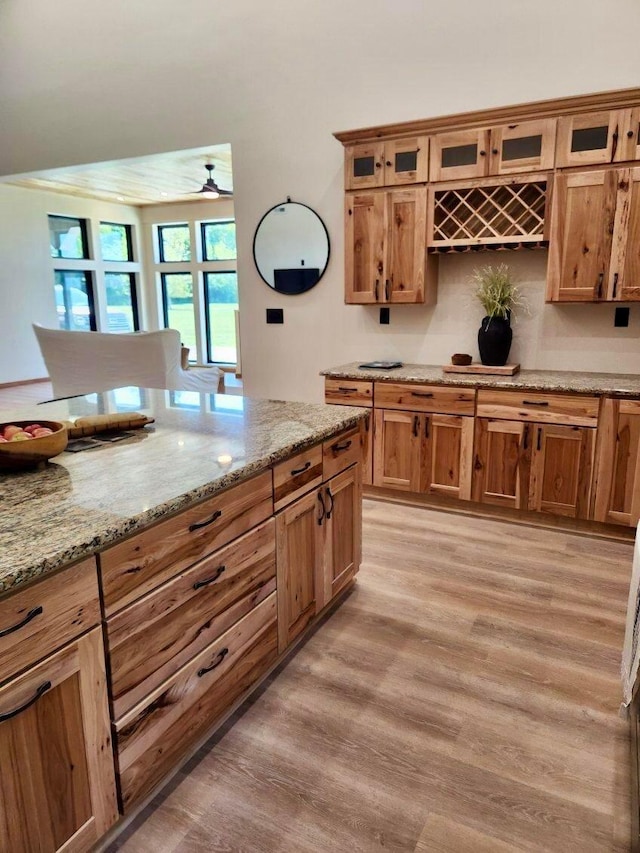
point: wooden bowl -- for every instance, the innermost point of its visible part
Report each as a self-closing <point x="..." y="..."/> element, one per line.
<point x="27" y="454"/>
<point x="461" y="358"/>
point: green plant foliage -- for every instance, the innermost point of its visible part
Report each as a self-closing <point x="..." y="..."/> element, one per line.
<point x="496" y="291"/>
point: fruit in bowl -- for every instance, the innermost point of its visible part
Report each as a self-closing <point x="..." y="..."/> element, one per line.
<point x="25" y="444"/>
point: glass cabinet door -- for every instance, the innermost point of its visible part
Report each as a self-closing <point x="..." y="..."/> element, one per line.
<point x="406" y="161"/>
<point x="604" y="137"/>
<point x="528" y="146"/>
<point x="459" y="155"/>
<point x="364" y="166"/>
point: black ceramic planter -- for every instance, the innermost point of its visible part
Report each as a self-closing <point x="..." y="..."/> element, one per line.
<point x="494" y="340"/>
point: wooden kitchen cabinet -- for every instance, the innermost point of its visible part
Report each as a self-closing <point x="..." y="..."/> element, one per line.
<point x="419" y="452"/>
<point x="57" y="785"/>
<point x="343" y="533"/>
<point x="387" y="164"/>
<point x="385" y="251"/>
<point x="501" y="465"/>
<point x="607" y="136"/>
<point x="594" y="254"/>
<point x="617" y="482"/>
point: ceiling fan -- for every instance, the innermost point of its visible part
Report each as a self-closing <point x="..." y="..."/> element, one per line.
<point x="210" y="189"/>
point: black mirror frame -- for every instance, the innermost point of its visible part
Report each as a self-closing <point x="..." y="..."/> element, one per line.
<point x="320" y="220"/>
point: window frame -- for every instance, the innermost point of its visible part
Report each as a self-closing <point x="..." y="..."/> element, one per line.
<point x="160" y="244"/>
<point x="128" y="228"/>
<point x="84" y="235"/>
<point x="203" y="241"/>
<point x="90" y="281"/>
<point x="207" y="319"/>
<point x="133" y="284"/>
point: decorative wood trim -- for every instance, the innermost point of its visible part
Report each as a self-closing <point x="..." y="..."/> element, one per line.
<point x="614" y="99"/>
<point x="24" y="382"/>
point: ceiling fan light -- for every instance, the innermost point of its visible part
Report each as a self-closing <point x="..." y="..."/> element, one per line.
<point x="209" y="192"/>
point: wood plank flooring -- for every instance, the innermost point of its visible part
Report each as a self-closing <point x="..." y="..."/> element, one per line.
<point x="464" y="697"/>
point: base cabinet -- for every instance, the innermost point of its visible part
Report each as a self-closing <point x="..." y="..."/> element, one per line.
<point x="57" y="785"/>
<point x="617" y="489"/>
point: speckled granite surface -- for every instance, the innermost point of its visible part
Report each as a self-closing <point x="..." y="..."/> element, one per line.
<point x="80" y="502"/>
<point x="620" y="384"/>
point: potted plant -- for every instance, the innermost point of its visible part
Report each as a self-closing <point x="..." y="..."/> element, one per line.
<point x="498" y="295"/>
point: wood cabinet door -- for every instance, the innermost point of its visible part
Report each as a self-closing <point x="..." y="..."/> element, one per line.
<point x="364" y="247"/>
<point x="447" y="456"/>
<point x="561" y="468"/>
<point x="364" y="166"/>
<point x="617" y="482"/>
<point x="594" y="138"/>
<point x="582" y="222"/>
<point x="463" y="154"/>
<point x="396" y="450"/>
<point x="367" y="450"/>
<point x="300" y="557"/>
<point x="624" y="269"/>
<point x="343" y="530"/>
<point x="501" y="463"/>
<point x="525" y="147"/>
<point x="405" y="245"/>
<point x="57" y="785"/>
<point x="406" y="161"/>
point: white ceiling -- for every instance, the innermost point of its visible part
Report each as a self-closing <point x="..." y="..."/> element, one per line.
<point x="156" y="179"/>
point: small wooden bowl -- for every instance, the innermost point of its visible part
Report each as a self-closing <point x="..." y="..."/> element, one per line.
<point x="461" y="358"/>
<point x="16" y="455"/>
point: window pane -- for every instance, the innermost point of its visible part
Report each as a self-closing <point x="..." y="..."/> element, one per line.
<point x="115" y="242"/>
<point x="174" y="243"/>
<point x="68" y="237"/>
<point x="177" y="295"/>
<point x="122" y="313"/>
<point x="221" y="294"/>
<point x="74" y="300"/>
<point x="219" y="241"/>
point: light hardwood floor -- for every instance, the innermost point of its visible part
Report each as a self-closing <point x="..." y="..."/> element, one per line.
<point x="462" y="699"/>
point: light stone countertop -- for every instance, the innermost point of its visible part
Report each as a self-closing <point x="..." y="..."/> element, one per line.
<point x="559" y="381"/>
<point x="80" y="502"/>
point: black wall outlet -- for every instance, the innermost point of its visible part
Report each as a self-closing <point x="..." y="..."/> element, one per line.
<point x="384" y="316"/>
<point x="621" y="317"/>
<point x="275" y="315"/>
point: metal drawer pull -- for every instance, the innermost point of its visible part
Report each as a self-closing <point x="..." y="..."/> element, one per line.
<point x="304" y="468"/>
<point x="30" y="615"/>
<point x="347" y="390"/>
<point x="615" y="284"/>
<point x="198" y="524"/>
<point x="39" y="692"/>
<point x="219" y="658"/>
<point x="323" y="507"/>
<point x="338" y="448"/>
<point x="200" y="584"/>
<point x="329" y="495"/>
<point x="535" y="402"/>
<point x="421" y="394"/>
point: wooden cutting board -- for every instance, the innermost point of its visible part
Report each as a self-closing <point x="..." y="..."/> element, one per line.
<point x="486" y="369"/>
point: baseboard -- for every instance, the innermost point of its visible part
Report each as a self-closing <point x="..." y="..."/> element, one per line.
<point x="580" y="526"/>
<point x="23" y="382"/>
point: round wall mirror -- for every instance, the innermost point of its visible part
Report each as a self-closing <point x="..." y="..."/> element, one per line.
<point x="291" y="247"/>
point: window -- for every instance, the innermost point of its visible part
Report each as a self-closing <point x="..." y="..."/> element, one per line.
<point x="74" y="300"/>
<point x="174" y="243"/>
<point x="177" y="303"/>
<point x="122" y="305"/>
<point x="68" y="237"/>
<point x="219" y="240"/>
<point x="115" y="242"/>
<point x="221" y="299"/>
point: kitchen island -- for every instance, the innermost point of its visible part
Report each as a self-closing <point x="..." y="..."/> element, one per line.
<point x="148" y="585"/>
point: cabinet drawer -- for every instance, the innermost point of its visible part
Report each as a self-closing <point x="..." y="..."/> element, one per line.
<point x="544" y="408"/>
<point x="43" y="617"/>
<point x="340" y="452"/>
<point x="296" y="476"/>
<point x="425" y="398"/>
<point x="152" y="638"/>
<point x="350" y="391"/>
<point x="134" y="567"/>
<point x="153" y="737"/>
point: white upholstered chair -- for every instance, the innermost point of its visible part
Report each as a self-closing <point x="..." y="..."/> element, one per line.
<point x="82" y="362"/>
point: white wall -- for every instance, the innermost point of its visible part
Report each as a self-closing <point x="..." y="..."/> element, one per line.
<point x="275" y="80"/>
<point x="26" y="270"/>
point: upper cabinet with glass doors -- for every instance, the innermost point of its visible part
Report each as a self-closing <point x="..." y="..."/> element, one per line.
<point x="387" y="164"/>
<point x="610" y="136"/>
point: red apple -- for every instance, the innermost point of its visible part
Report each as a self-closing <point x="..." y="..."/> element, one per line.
<point x="10" y="430"/>
<point x="3" y="440"/>
<point x="32" y="428"/>
<point x="21" y="436"/>
<point x="42" y="431"/>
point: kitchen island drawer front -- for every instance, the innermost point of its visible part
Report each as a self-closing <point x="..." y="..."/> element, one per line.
<point x="574" y="410"/>
<point x="350" y="391"/>
<point x="296" y="476"/>
<point x="341" y="452"/>
<point x="152" y="638"/>
<point x="425" y="398"/>
<point x="153" y="737"/>
<point x="42" y="617"/>
<point x="139" y="564"/>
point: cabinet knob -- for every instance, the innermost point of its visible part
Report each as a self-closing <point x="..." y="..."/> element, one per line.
<point x="388" y="163"/>
<point x="378" y="165"/>
<point x="494" y="151"/>
<point x="483" y="153"/>
<point x="630" y="134"/>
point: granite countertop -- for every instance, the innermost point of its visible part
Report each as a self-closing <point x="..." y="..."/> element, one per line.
<point x="199" y="445"/>
<point x="620" y="384"/>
